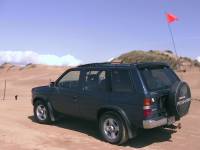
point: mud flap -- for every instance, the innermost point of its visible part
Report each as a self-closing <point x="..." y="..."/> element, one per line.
<point x="52" y="117"/>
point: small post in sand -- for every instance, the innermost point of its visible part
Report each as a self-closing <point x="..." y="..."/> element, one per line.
<point x="16" y="97"/>
<point x="4" y="92"/>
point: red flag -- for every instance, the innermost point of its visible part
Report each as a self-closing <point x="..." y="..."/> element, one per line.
<point x="171" y="18"/>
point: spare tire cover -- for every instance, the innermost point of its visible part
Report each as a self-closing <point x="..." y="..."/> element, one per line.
<point x="179" y="100"/>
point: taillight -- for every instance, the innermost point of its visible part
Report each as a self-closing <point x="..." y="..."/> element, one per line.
<point x="147" y="112"/>
<point x="147" y="107"/>
<point x="147" y="102"/>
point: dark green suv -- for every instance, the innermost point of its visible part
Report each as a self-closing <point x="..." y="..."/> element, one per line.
<point x="122" y="98"/>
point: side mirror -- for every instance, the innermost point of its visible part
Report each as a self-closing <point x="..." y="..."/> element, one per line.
<point x="52" y="84"/>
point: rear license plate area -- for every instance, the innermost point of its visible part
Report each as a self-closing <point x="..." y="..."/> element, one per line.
<point x="170" y="120"/>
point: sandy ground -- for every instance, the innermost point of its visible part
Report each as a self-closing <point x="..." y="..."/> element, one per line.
<point x="18" y="130"/>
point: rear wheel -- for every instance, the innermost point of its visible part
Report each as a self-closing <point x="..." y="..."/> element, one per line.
<point x="112" y="128"/>
<point x="41" y="112"/>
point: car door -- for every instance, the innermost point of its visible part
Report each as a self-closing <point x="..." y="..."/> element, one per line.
<point x="95" y="93"/>
<point x="66" y="92"/>
<point x="124" y="94"/>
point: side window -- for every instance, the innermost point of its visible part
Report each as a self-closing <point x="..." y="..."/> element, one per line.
<point x="121" y="81"/>
<point x="70" y="80"/>
<point x="95" y="81"/>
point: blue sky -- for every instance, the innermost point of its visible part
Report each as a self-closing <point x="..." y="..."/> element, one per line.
<point x="96" y="30"/>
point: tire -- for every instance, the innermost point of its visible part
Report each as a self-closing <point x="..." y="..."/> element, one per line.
<point x="179" y="99"/>
<point x="113" y="128"/>
<point x="41" y="112"/>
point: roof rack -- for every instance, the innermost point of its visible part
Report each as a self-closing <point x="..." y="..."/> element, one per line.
<point x="95" y="64"/>
<point x="114" y="62"/>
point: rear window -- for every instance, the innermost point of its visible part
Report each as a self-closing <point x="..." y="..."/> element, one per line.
<point x="158" y="78"/>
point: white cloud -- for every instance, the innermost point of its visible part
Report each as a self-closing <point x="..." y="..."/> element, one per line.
<point x="198" y="58"/>
<point x="26" y="57"/>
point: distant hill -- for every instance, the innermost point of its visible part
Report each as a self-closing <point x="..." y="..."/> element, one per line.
<point x="158" y="56"/>
<point x="167" y="56"/>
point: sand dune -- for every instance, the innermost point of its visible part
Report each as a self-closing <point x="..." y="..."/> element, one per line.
<point x="20" y="80"/>
<point x="18" y="131"/>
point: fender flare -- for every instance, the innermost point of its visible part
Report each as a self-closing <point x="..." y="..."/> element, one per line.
<point x="50" y="108"/>
<point x="40" y="97"/>
<point x="121" y="112"/>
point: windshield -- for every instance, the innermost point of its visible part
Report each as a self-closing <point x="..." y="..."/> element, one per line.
<point x="158" y="78"/>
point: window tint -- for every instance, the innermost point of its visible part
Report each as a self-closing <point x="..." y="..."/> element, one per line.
<point x="158" y="78"/>
<point x="70" y="80"/>
<point x="95" y="81"/>
<point x="121" y="81"/>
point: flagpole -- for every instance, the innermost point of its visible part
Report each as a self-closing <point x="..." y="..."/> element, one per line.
<point x="170" y="19"/>
<point x="173" y="41"/>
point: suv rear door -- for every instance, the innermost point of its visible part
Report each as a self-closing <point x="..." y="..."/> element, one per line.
<point x="126" y="94"/>
<point x="95" y="92"/>
<point x="158" y="81"/>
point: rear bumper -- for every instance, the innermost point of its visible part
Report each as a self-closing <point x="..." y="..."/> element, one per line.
<point x="152" y="123"/>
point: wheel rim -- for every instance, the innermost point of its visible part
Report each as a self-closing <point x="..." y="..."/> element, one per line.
<point x="41" y="112"/>
<point x="111" y="128"/>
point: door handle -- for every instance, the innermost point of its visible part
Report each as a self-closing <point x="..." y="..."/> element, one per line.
<point x="75" y="98"/>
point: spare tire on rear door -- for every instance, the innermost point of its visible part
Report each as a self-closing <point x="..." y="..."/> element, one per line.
<point x="179" y="100"/>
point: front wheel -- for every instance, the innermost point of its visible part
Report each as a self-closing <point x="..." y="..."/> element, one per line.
<point x="112" y="128"/>
<point x="41" y="112"/>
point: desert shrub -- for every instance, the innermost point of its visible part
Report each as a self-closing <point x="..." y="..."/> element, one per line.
<point x="156" y="56"/>
<point x="150" y="56"/>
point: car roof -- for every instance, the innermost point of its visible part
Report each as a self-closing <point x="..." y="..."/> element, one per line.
<point x="123" y="65"/>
